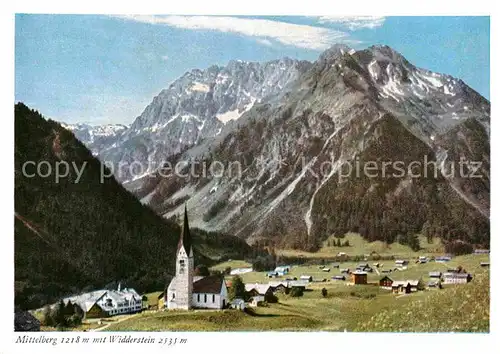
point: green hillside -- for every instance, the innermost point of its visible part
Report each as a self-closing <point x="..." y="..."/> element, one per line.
<point x="82" y="234"/>
<point x="460" y="308"/>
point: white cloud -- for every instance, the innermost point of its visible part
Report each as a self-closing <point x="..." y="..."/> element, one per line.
<point x="164" y="57"/>
<point x="354" y="22"/>
<point x="302" y="36"/>
<point x="264" y="41"/>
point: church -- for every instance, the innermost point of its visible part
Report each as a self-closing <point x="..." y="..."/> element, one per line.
<point x="187" y="291"/>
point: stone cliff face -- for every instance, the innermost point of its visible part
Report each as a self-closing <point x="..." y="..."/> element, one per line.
<point x="295" y="128"/>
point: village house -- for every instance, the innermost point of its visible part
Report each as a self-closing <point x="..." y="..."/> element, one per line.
<point x="359" y="278"/>
<point x="298" y="284"/>
<point x="401" y="262"/>
<point x="456" y="278"/>
<point x="345" y="271"/>
<point x="401" y="287"/>
<point x="105" y="303"/>
<point x="238" y="271"/>
<point x="407" y="286"/>
<point x="326" y="270"/>
<point x="443" y="259"/>
<point x="481" y="251"/>
<point x="385" y="282"/>
<point x="238" y="304"/>
<point x="307" y="278"/>
<point x="256" y="300"/>
<point x="485" y="264"/>
<point x="435" y="274"/>
<point x="282" y="270"/>
<point x="338" y="277"/>
<point x="186" y="291"/>
<point x="364" y="267"/>
<point x="434" y="284"/>
<point x="416" y="285"/>
<point x="258" y="289"/>
<point x="279" y="286"/>
<point x="423" y="259"/>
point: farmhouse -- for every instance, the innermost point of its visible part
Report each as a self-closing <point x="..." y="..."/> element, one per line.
<point x="416" y="285"/>
<point x="258" y="289"/>
<point x="435" y="274"/>
<point x="364" y="267"/>
<point x="238" y="304"/>
<point x="401" y="287"/>
<point x="241" y="271"/>
<point x="456" y="278"/>
<point x="481" y="251"/>
<point x="256" y="300"/>
<point x="338" y="277"/>
<point x="485" y="264"/>
<point x="345" y="271"/>
<point x="278" y="286"/>
<point x="423" y="259"/>
<point x="298" y="284"/>
<point x="282" y="270"/>
<point x="434" y="284"/>
<point x="359" y="278"/>
<point x="401" y="262"/>
<point x="407" y="286"/>
<point x="443" y="259"/>
<point x="185" y="292"/>
<point x="307" y="278"/>
<point x="385" y="282"/>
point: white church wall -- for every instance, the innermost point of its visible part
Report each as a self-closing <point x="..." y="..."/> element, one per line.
<point x="207" y="301"/>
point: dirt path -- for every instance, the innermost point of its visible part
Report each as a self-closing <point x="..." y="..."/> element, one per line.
<point x="111" y="323"/>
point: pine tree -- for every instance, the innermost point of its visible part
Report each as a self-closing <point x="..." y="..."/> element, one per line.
<point x="237" y="289"/>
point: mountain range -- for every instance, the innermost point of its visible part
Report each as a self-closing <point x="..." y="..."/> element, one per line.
<point x="283" y="121"/>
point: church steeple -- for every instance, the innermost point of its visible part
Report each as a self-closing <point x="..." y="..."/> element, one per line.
<point x="180" y="290"/>
<point x="185" y="239"/>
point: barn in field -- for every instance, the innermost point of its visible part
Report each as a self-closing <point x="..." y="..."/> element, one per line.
<point x="385" y="282"/>
<point x="359" y="278"/>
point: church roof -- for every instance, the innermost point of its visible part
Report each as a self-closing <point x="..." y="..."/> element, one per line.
<point x="209" y="285"/>
<point x="185" y="239"/>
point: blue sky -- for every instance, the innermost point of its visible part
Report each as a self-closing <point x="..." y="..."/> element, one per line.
<point x="102" y="69"/>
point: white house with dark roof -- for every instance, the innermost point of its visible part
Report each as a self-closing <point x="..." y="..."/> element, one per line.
<point x="108" y="302"/>
<point x="456" y="278"/>
<point x="186" y="291"/>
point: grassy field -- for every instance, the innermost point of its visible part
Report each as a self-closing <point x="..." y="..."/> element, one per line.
<point x="351" y="308"/>
<point x="233" y="264"/>
<point x="459" y="308"/>
<point x="413" y="271"/>
<point x="359" y="246"/>
<point x="87" y="325"/>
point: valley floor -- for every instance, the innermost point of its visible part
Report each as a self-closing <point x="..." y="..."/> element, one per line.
<point x="346" y="307"/>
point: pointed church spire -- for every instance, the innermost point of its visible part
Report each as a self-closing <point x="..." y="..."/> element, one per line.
<point x="185" y="239"/>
